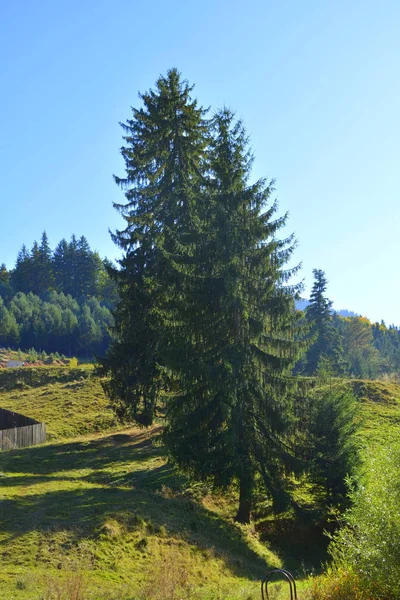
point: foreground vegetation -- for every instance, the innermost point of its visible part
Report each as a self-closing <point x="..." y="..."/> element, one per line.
<point x="105" y="515"/>
<point x="366" y="549"/>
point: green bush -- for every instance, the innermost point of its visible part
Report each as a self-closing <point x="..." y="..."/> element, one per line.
<point x="369" y="543"/>
<point x="336" y="585"/>
<point x="334" y="448"/>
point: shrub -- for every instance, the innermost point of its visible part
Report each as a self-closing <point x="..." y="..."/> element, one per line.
<point x="338" y="585"/>
<point x="368" y="545"/>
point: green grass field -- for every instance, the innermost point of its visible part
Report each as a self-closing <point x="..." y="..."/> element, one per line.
<point x="70" y="401"/>
<point x="98" y="512"/>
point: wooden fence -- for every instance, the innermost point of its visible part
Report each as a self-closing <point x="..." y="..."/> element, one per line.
<point x="18" y="431"/>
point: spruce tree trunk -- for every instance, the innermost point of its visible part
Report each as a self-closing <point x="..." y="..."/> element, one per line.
<point x="245" y="498"/>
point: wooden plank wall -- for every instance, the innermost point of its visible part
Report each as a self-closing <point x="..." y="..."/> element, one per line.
<point x="9" y="419"/>
<point x="18" y="431"/>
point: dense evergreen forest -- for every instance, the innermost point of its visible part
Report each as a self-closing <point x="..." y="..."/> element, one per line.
<point x="57" y="300"/>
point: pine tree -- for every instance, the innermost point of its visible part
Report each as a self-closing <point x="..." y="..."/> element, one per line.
<point x="165" y="142"/>
<point x="326" y="342"/>
<point x="87" y="266"/>
<point x="35" y="272"/>
<point x="45" y="275"/>
<point x="60" y="266"/>
<point x="334" y="447"/>
<point x="21" y="278"/>
<point x="233" y="347"/>
<point x="72" y="286"/>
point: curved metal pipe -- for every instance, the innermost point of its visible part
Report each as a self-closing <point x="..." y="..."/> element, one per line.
<point x="289" y="578"/>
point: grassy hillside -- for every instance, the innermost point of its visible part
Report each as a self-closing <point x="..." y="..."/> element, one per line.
<point x="112" y="507"/>
<point x="380" y="406"/>
<point x="104" y="515"/>
<point x="70" y="401"/>
<point x="105" y="511"/>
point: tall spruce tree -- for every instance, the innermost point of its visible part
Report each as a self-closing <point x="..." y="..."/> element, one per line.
<point x="21" y="278"/>
<point x="35" y="269"/>
<point x="72" y="270"/>
<point x="334" y="446"/>
<point x="45" y="275"/>
<point x="205" y="312"/>
<point x="165" y="144"/>
<point x="233" y="347"/>
<point x="326" y="345"/>
<point x="61" y="267"/>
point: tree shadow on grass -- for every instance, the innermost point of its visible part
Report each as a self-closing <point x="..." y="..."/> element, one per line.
<point x="87" y="454"/>
<point x="301" y="543"/>
<point x="121" y="459"/>
<point x="150" y="495"/>
<point x="84" y="512"/>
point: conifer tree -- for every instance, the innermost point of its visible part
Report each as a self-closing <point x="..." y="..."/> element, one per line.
<point x="60" y="266"/>
<point x="233" y="348"/>
<point x="87" y="266"/>
<point x="72" y="286"/>
<point x="163" y="153"/>
<point x="21" y="278"/>
<point x="45" y="275"/>
<point x="35" y="269"/>
<point x="334" y="447"/>
<point x="326" y="342"/>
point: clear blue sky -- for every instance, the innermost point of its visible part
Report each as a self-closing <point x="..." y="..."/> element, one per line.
<point x="316" y="83"/>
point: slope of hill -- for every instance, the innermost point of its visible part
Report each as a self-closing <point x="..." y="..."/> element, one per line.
<point x="69" y="401"/>
<point x="104" y="514"/>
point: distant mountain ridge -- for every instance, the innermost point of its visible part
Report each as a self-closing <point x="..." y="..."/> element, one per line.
<point x="303" y="303"/>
